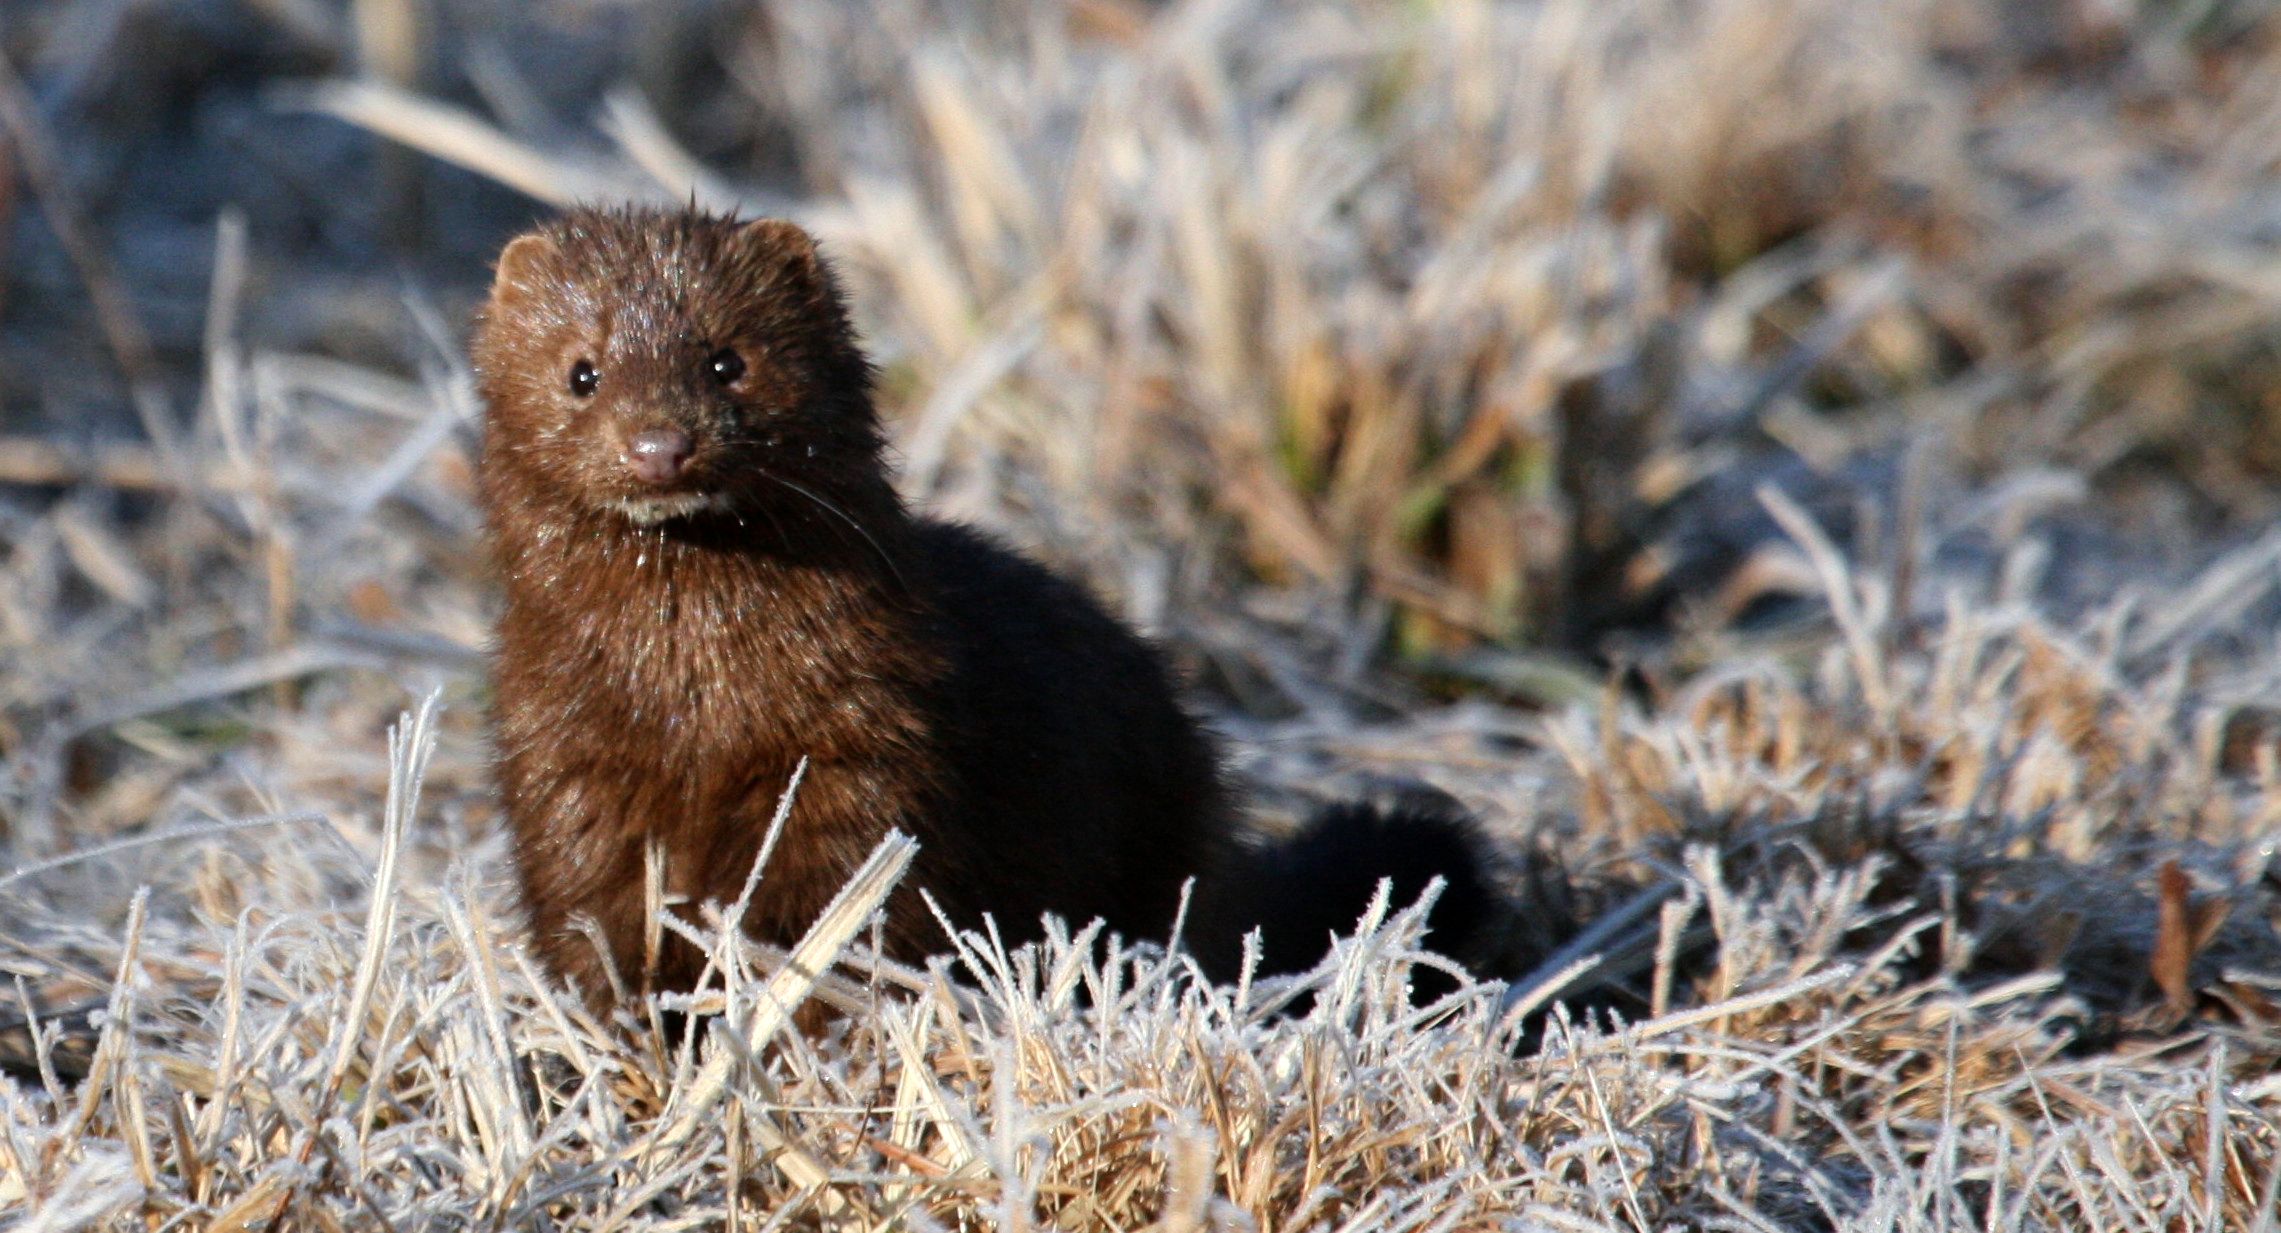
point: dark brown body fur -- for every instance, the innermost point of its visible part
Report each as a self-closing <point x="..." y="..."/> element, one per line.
<point x="660" y="683"/>
<point x="709" y="578"/>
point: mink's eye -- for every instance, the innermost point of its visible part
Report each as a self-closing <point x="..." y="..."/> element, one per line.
<point x="726" y="366"/>
<point x="584" y="380"/>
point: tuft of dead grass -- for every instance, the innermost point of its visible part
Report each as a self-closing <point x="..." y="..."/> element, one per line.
<point x="289" y="1037"/>
<point x="1847" y="375"/>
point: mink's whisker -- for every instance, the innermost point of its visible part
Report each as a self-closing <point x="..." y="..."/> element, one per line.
<point x="843" y="516"/>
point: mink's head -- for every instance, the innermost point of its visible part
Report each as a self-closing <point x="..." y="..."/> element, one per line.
<point x="670" y="367"/>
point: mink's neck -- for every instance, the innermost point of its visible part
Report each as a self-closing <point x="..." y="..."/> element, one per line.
<point x="823" y="541"/>
<point x="787" y="605"/>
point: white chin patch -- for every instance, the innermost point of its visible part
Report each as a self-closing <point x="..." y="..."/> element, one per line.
<point x="649" y="511"/>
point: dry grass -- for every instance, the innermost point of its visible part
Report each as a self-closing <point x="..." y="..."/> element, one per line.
<point x="1394" y="360"/>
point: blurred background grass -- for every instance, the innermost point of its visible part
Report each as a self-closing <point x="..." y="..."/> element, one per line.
<point x="1804" y="471"/>
<point x="1456" y="335"/>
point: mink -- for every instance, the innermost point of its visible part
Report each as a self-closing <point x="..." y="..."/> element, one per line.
<point x="710" y="578"/>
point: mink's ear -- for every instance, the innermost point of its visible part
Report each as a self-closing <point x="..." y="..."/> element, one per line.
<point x="520" y="266"/>
<point x="781" y="236"/>
<point x="780" y="240"/>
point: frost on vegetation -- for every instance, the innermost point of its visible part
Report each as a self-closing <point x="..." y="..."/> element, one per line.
<point x="1353" y="346"/>
<point x="1872" y="999"/>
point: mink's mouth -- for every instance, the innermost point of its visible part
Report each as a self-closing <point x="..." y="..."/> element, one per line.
<point x="648" y="511"/>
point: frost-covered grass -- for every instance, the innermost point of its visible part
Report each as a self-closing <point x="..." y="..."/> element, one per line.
<point x="1799" y="470"/>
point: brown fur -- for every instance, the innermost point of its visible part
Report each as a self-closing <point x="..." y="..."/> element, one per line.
<point x="657" y="684"/>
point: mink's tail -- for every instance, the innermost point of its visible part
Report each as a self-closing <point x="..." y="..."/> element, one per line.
<point x="1300" y="891"/>
<point x="64" y="1040"/>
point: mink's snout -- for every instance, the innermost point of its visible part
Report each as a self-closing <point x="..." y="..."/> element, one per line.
<point x="657" y="456"/>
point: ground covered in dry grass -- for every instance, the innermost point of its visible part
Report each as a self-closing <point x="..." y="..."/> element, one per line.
<point x="1802" y="470"/>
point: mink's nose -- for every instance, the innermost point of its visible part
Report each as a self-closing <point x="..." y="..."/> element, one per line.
<point x="658" y="455"/>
